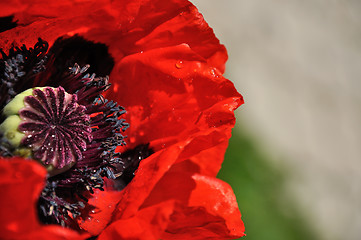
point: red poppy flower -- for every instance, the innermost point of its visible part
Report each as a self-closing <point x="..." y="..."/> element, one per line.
<point x="165" y="67"/>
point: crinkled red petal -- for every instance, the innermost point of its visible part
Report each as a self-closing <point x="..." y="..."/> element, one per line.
<point x="190" y="102"/>
<point x="147" y="224"/>
<point x="218" y="199"/>
<point x="127" y="27"/>
<point x="171" y="101"/>
<point x="206" y="206"/>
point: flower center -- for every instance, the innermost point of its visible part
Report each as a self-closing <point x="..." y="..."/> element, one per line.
<point x="56" y="127"/>
<point x="65" y="122"/>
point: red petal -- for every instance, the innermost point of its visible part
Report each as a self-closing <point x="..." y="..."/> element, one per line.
<point x="148" y="174"/>
<point x="105" y="203"/>
<point x="196" y="223"/>
<point x="126" y="26"/>
<point x="7" y="9"/>
<point x="173" y="103"/>
<point x="172" y="25"/>
<point x="207" y="151"/>
<point x="147" y="224"/>
<point x="206" y="206"/>
<point x="218" y="199"/>
<point x="176" y="184"/>
<point x="50" y="232"/>
<point x="20" y="184"/>
<point x="20" y="180"/>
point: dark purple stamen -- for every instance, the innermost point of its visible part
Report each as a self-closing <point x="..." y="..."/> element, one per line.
<point x="18" y="69"/>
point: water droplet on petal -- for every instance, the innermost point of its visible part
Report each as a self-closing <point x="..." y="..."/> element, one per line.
<point x="179" y="64"/>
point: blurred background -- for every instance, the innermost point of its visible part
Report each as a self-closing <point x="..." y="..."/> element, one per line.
<point x="294" y="158"/>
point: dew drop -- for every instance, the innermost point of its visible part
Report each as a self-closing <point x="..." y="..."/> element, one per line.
<point x="179" y="64"/>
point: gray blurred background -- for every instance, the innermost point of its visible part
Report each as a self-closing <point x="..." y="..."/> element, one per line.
<point x="298" y="66"/>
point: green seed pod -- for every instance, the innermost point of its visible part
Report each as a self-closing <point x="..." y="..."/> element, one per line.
<point x="9" y="128"/>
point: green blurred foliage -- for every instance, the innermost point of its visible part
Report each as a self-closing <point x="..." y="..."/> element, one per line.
<point x="266" y="211"/>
